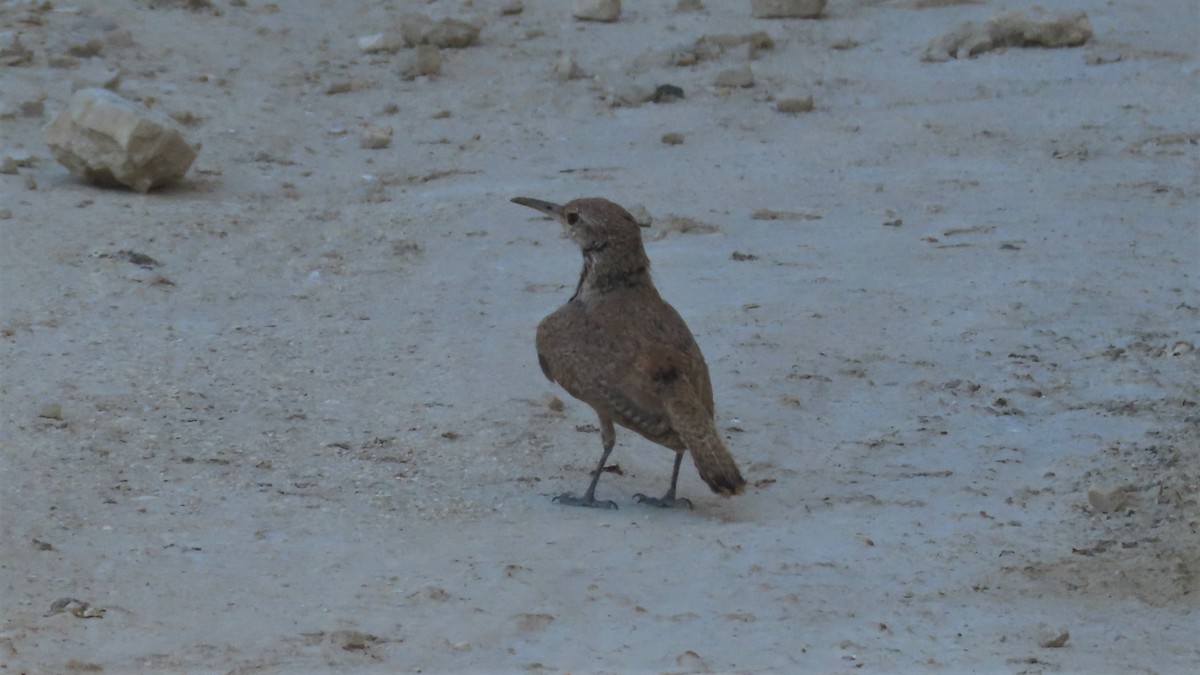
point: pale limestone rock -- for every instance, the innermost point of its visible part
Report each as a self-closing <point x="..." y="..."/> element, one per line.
<point x="735" y="78"/>
<point x="450" y="34"/>
<point x="597" y="10"/>
<point x="425" y="60"/>
<point x="105" y="139"/>
<point x="786" y="9"/>
<point x="381" y="42"/>
<point x="12" y="51"/>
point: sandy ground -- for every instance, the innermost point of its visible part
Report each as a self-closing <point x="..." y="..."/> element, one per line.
<point x="311" y="433"/>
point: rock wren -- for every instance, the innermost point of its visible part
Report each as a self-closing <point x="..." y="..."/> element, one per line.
<point x="619" y="347"/>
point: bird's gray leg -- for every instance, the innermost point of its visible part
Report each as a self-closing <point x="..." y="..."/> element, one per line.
<point x="668" y="500"/>
<point x="609" y="436"/>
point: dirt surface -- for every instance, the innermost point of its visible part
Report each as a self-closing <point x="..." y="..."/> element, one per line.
<point x="286" y="416"/>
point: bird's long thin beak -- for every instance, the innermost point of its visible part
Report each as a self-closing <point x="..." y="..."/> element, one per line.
<point x="549" y="208"/>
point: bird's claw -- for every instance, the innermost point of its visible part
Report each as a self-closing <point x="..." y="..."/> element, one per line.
<point x="572" y="500"/>
<point x="664" y="502"/>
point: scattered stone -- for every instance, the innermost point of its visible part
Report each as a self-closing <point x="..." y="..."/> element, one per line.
<point x="689" y="5"/>
<point x="51" y="411"/>
<point x="425" y="60"/>
<point x="629" y="94"/>
<point x="1014" y="29"/>
<point x="5" y="214"/>
<point x="451" y="34"/>
<point x="418" y="29"/>
<point x="105" y="139"/>
<point x="667" y="93"/>
<point x="381" y="42"/>
<point x="709" y="47"/>
<point x="34" y="107"/>
<point x="799" y="104"/>
<point x="12" y="52"/>
<point x="1107" y="498"/>
<point x="376" y="138"/>
<point x="1056" y="642"/>
<point x="413" y="27"/>
<point x="786" y="9"/>
<point x="553" y="402"/>
<point x="597" y="10"/>
<point x="11" y="161"/>
<point x="512" y="8"/>
<point x="672" y="138"/>
<point x="641" y="215"/>
<point x="86" y="49"/>
<point x="567" y="69"/>
<point x="735" y="78"/>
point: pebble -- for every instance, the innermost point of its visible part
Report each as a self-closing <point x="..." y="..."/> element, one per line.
<point x="672" y="138"/>
<point x="376" y="138"/>
<point x="735" y="78"/>
<point x="798" y="104"/>
<point x="786" y="9"/>
<point x="425" y="60"/>
<point x="597" y="10"/>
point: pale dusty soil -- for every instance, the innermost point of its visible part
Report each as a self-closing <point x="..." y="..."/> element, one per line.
<point x="315" y="436"/>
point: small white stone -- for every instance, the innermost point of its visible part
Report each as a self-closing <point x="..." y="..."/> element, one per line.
<point x="381" y="42"/>
<point x="597" y="10"/>
<point x="786" y="9"/>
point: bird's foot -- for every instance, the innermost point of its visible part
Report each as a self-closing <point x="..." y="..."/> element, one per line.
<point x="667" y="502"/>
<point x="572" y="500"/>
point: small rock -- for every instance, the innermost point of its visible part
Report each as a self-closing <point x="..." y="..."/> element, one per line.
<point x="11" y="161"/>
<point x="641" y="215"/>
<point x="413" y="27"/>
<point x="597" y="10"/>
<point x="629" y="94"/>
<point x="5" y="214"/>
<point x="51" y="411"/>
<point x="34" y="107"/>
<point x="425" y="60"/>
<point x="450" y="34"/>
<point x="567" y="69"/>
<point x="511" y="8"/>
<point x="553" y="402"/>
<point x="786" y="9"/>
<point x="381" y="42"/>
<point x="667" y="93"/>
<point x="795" y="105"/>
<point x="735" y="78"/>
<point x="672" y="138"/>
<point x="1056" y="642"/>
<point x="12" y="52"/>
<point x="1107" y="498"/>
<point x="689" y="5"/>
<point x="376" y="138"/>
<point x="103" y="138"/>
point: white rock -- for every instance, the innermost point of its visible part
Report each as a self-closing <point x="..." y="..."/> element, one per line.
<point x="380" y="42"/>
<point x="425" y="60"/>
<point x="451" y="34"/>
<point x="735" y="78"/>
<point x="12" y="52"/>
<point x="786" y="9"/>
<point x="597" y="10"/>
<point x="103" y="138"/>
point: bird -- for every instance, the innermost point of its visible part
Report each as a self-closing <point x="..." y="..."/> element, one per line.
<point x="619" y="347"/>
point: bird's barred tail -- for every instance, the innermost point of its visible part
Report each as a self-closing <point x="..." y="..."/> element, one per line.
<point x="691" y="421"/>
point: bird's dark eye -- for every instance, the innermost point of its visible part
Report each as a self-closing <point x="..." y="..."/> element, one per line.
<point x="572" y="218"/>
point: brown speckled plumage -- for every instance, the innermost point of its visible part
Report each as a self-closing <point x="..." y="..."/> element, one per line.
<point x="619" y="347"/>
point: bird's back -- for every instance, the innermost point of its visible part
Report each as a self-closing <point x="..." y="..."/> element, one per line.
<point x="613" y="352"/>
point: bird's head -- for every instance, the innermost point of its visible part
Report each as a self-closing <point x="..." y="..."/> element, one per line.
<point x="596" y="224"/>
